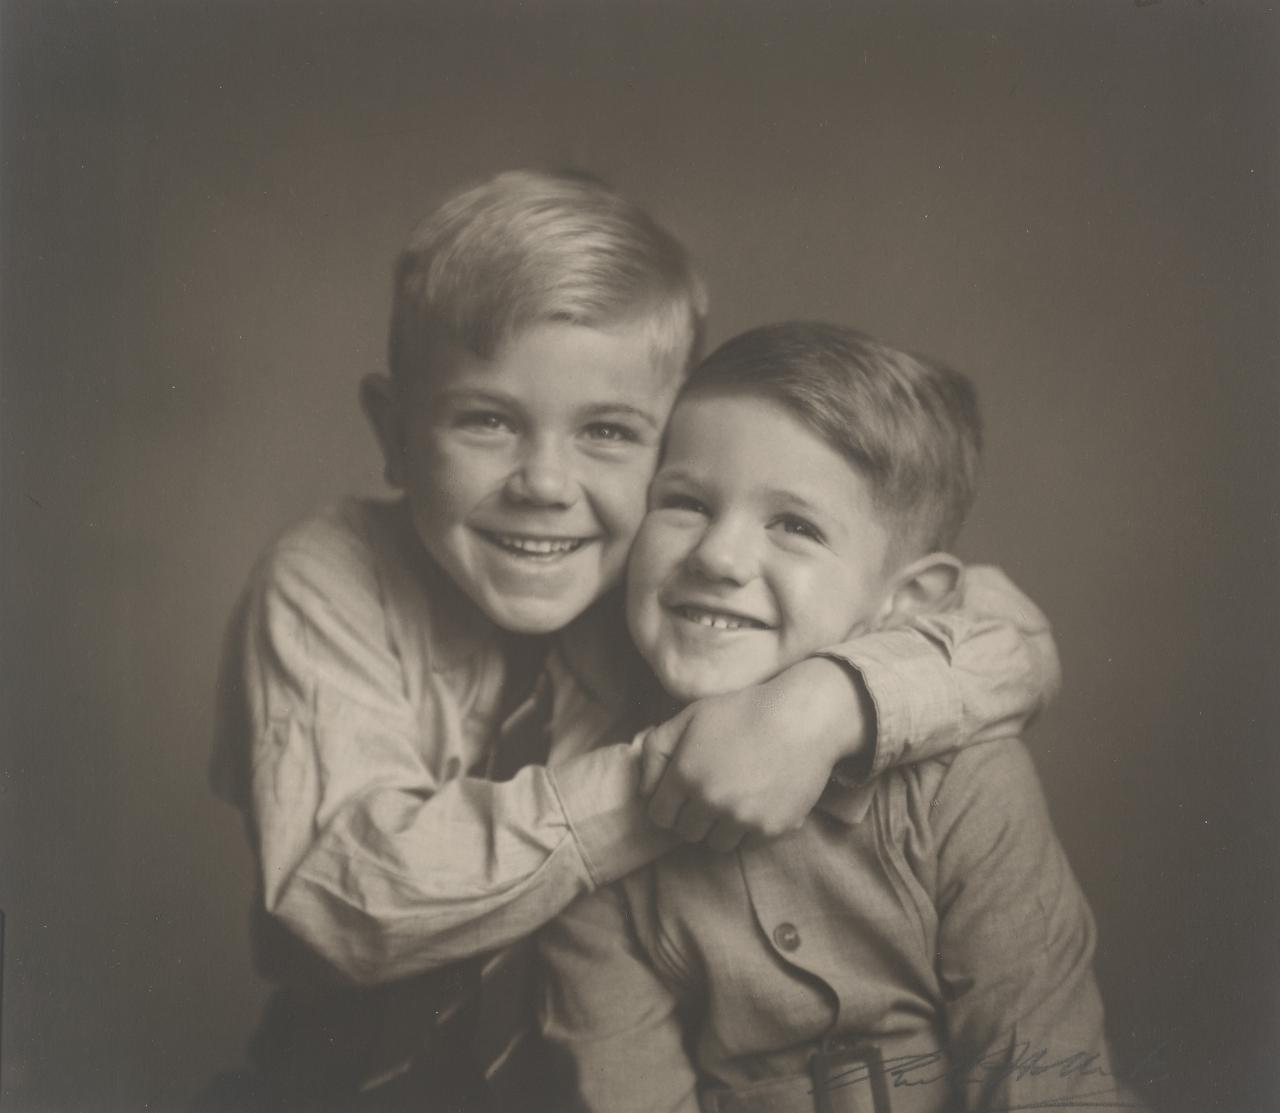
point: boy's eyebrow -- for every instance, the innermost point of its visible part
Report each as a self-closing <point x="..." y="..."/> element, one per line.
<point x="473" y="394"/>
<point x="678" y="475"/>
<point x="619" y="409"/>
<point x="794" y="499"/>
<point x="456" y="395"/>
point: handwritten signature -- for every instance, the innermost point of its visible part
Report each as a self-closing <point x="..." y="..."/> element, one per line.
<point x="1015" y="1064"/>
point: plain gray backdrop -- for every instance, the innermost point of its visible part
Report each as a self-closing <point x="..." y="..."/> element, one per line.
<point x="1075" y="201"/>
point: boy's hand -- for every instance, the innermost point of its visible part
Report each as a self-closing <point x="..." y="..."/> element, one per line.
<point x="754" y="762"/>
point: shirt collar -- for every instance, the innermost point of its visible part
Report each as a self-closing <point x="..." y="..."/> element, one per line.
<point x="601" y="658"/>
<point x="849" y="804"/>
<point x="459" y="630"/>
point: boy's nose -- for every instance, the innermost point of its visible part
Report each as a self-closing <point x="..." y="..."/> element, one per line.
<point x="723" y="555"/>
<point x="542" y="479"/>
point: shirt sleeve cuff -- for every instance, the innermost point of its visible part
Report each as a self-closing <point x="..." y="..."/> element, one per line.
<point x="911" y="690"/>
<point x="600" y="795"/>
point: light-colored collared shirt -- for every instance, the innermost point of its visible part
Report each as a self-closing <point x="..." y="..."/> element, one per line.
<point x="360" y="689"/>
<point x="931" y="915"/>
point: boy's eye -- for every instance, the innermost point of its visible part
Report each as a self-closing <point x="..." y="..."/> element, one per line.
<point x="484" y="421"/>
<point x="672" y="500"/>
<point x="610" y="432"/>
<point x="800" y="527"/>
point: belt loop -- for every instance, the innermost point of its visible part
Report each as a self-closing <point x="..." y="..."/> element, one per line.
<point x="879" y="1083"/>
<point x="833" y="1054"/>
<point x="820" y="1071"/>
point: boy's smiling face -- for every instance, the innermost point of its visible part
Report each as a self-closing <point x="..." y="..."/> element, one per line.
<point x="527" y="472"/>
<point x="761" y="545"/>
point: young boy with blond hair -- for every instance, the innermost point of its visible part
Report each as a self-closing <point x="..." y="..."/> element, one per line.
<point x="919" y="944"/>
<point x="385" y="652"/>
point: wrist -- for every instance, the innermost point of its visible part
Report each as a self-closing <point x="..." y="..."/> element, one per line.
<point x="837" y="706"/>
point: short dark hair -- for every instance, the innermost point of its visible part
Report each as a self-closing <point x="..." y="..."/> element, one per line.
<point x="908" y="424"/>
<point x="527" y="247"/>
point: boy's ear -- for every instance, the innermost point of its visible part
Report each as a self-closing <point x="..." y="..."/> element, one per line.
<point x="380" y="401"/>
<point x="927" y="584"/>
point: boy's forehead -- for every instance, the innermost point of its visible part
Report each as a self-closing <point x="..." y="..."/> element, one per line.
<point x="751" y="442"/>
<point x="620" y="361"/>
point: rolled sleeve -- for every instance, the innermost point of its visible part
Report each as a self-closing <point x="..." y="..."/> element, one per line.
<point x="976" y="673"/>
<point x="343" y="749"/>
<point x="600" y="795"/>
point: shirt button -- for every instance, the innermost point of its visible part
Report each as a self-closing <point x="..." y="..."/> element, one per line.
<point x="787" y="937"/>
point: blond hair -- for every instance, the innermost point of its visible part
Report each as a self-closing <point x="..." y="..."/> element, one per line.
<point x="527" y="247"/>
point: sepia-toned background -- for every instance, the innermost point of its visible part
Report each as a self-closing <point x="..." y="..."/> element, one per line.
<point x="1075" y="201"/>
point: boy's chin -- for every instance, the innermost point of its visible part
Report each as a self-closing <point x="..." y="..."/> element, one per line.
<point x="688" y="686"/>
<point x="533" y="616"/>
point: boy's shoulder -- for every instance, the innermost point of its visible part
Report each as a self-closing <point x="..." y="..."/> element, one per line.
<point x="1001" y="761"/>
<point x="995" y="778"/>
<point x="338" y="534"/>
<point x="983" y="795"/>
<point x="997" y="767"/>
<point x="935" y="792"/>
<point x="359" y="562"/>
<point x="328" y="561"/>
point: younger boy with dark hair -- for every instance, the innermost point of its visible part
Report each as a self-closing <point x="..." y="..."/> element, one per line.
<point x="919" y="944"/>
<point x="384" y="651"/>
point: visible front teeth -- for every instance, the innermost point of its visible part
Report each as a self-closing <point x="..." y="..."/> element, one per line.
<point x="717" y="620"/>
<point x="537" y="546"/>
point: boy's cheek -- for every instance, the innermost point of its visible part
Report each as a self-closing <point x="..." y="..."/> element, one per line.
<point x="630" y="502"/>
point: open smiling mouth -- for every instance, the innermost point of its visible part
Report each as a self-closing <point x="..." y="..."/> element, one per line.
<point x="718" y="620"/>
<point x="534" y="548"/>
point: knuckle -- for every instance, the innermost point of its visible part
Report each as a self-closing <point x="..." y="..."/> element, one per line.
<point x="678" y="774"/>
<point x="712" y="797"/>
<point x="659" y="815"/>
<point x="726" y="808"/>
<point x="756" y="824"/>
<point x="773" y="827"/>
